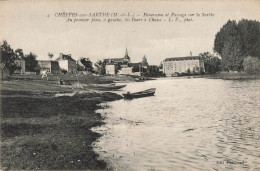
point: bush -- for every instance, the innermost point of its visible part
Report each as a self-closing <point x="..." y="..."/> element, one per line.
<point x="196" y="70"/>
<point x="188" y="71"/>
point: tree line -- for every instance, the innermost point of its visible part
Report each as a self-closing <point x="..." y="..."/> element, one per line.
<point x="238" y="45"/>
<point x="8" y="56"/>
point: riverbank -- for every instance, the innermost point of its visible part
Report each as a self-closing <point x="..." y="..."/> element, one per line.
<point x="234" y="76"/>
<point x="41" y="131"/>
<point x="225" y="76"/>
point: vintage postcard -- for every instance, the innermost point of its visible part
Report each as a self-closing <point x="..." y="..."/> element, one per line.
<point x="130" y="85"/>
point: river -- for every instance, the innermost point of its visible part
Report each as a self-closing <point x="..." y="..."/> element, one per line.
<point x="190" y="124"/>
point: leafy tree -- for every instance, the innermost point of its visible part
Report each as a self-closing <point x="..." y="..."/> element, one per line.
<point x="30" y="62"/>
<point x="202" y="71"/>
<point x="50" y="55"/>
<point x="250" y="32"/>
<point x="196" y="69"/>
<point x="235" y="41"/>
<point x="212" y="63"/>
<point x="7" y="55"/>
<point x="19" y="53"/>
<point x="188" y="71"/>
<point x="152" y="71"/>
<point x="251" y="65"/>
<point x="144" y="60"/>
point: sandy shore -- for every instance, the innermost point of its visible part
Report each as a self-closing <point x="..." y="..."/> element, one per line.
<point x="41" y="131"/>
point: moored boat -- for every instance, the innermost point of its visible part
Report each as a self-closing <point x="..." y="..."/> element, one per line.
<point x="145" y="93"/>
<point x="106" y="87"/>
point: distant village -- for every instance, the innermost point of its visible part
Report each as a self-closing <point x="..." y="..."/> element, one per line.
<point x="121" y="66"/>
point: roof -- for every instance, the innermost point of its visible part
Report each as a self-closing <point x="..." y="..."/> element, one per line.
<point x="82" y="58"/>
<point x="135" y="64"/>
<point x="138" y="64"/>
<point x="64" y="57"/>
<point x="20" y="59"/>
<point x="114" y="60"/>
<point x="45" y="61"/>
<point x="182" y="58"/>
<point x="126" y="54"/>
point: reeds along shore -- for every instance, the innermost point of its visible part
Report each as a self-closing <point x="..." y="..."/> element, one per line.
<point x="41" y="131"/>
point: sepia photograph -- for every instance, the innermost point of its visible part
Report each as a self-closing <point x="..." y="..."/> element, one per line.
<point x="130" y="85"/>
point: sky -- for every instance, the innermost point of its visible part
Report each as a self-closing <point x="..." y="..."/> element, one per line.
<point x="33" y="27"/>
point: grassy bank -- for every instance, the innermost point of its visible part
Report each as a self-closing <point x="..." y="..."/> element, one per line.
<point x="224" y="76"/>
<point x="41" y="131"/>
<point x="234" y="76"/>
<point x="71" y="78"/>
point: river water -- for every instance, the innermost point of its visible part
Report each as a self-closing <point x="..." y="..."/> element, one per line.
<point x="190" y="124"/>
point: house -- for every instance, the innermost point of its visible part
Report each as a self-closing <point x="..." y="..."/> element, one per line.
<point x="110" y="69"/>
<point x="99" y="68"/>
<point x="51" y="67"/>
<point x="66" y="63"/>
<point x="84" y="64"/>
<point x="128" y="71"/>
<point x="182" y="64"/>
<point x="20" y="64"/>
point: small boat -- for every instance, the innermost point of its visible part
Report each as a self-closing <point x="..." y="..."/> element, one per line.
<point x="106" y="87"/>
<point x="145" y="93"/>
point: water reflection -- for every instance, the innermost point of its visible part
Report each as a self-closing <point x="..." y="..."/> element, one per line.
<point x="190" y="124"/>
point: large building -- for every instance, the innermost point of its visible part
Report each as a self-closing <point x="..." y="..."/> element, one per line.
<point x="182" y="64"/>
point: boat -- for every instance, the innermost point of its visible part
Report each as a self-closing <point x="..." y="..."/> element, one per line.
<point x="145" y="93"/>
<point x="106" y="87"/>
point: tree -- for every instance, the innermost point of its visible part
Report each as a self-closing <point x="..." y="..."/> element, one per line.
<point x="144" y="60"/>
<point x="7" y="55"/>
<point x="212" y="63"/>
<point x="50" y="55"/>
<point x="250" y="32"/>
<point x="235" y="41"/>
<point x="30" y="62"/>
<point x="251" y="65"/>
<point x="196" y="70"/>
<point x="188" y="71"/>
<point x="19" y="53"/>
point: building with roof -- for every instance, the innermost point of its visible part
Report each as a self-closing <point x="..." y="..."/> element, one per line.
<point x="110" y="69"/>
<point x="182" y="64"/>
<point x="112" y="65"/>
<point x="67" y="63"/>
<point x="84" y="64"/>
<point x="20" y="63"/>
<point x="123" y="62"/>
<point x="50" y="67"/>
<point x="99" y="68"/>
